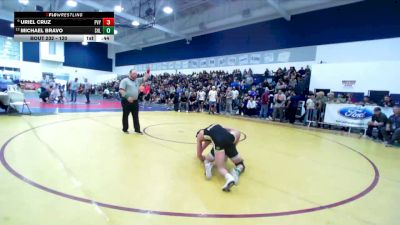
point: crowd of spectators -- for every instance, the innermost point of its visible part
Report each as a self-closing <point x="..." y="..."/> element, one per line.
<point x="230" y="93"/>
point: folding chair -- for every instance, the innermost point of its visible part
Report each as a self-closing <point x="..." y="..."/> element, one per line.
<point x="17" y="99"/>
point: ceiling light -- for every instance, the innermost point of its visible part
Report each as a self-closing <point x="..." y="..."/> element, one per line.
<point x="168" y="10"/>
<point x="115" y="32"/>
<point x="72" y="3"/>
<point x="118" y="8"/>
<point x="135" y="23"/>
<point x="84" y="43"/>
<point x="12" y="25"/>
<point x="24" y="2"/>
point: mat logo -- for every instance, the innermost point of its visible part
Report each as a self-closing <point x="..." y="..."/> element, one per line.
<point x="355" y="113"/>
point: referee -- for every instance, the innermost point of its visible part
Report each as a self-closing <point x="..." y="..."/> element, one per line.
<point x="129" y="90"/>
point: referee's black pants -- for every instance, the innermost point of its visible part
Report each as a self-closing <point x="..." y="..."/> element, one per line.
<point x="128" y="108"/>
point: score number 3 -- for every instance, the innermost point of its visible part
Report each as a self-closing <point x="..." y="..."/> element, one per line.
<point x="108" y="21"/>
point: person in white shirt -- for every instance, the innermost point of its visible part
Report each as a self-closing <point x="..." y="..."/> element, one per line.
<point x="310" y="109"/>
<point x="55" y="94"/>
<point x="251" y="107"/>
<point x="86" y="90"/>
<point x="235" y="95"/>
<point x="212" y="100"/>
<point x="201" y="95"/>
<point x="106" y="93"/>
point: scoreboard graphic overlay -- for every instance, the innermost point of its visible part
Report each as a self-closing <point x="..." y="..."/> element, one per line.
<point x="64" y="26"/>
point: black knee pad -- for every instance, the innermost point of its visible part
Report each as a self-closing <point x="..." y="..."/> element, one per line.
<point x="241" y="163"/>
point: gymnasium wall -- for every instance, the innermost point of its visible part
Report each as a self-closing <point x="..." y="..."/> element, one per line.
<point x="366" y="20"/>
<point x="356" y="76"/>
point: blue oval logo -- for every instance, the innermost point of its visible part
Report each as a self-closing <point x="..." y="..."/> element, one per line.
<point x="355" y="113"/>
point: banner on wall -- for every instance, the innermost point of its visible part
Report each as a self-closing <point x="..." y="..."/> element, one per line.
<point x="244" y="59"/>
<point x="255" y="58"/>
<point x="232" y="61"/>
<point x="158" y="66"/>
<point x="211" y="62"/>
<point x="263" y="57"/>
<point x="268" y="57"/>
<point x="185" y="64"/>
<point x="348" y="83"/>
<point x="350" y="115"/>
<point x="178" y="64"/>
<point x="283" y="56"/>
<point x="222" y="61"/>
<point x="203" y="63"/>
<point x="171" y="65"/>
<point x="193" y="63"/>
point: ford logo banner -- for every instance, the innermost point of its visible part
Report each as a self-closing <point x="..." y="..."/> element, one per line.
<point x="355" y="113"/>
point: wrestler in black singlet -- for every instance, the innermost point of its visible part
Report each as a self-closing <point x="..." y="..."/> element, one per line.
<point x="222" y="139"/>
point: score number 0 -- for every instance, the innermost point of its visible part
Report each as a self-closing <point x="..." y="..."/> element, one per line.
<point x="108" y="25"/>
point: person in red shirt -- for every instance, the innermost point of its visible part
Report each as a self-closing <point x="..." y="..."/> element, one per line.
<point x="146" y="92"/>
<point x="264" y="104"/>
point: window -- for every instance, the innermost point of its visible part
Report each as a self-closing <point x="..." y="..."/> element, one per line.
<point x="52" y="48"/>
<point x="9" y="49"/>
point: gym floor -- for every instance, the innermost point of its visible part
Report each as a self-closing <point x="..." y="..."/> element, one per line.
<point x="80" y="169"/>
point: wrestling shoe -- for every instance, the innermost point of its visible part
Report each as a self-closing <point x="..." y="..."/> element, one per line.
<point x="208" y="168"/>
<point x="230" y="181"/>
<point x="235" y="175"/>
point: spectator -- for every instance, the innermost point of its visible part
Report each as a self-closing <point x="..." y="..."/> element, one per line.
<point x="146" y="93"/>
<point x="235" y="95"/>
<point x="74" y="88"/>
<point x="242" y="104"/>
<point x="350" y="99"/>
<point x="293" y="82"/>
<point x="201" y="94"/>
<point x="45" y="95"/>
<point x="264" y="104"/>
<point x="392" y="131"/>
<point x="341" y="99"/>
<point x="378" y="121"/>
<point x="184" y="102"/>
<point x="44" y="85"/>
<point x="212" y="99"/>
<point x="292" y="107"/>
<point x="251" y="107"/>
<point x="280" y="85"/>
<point x="266" y="73"/>
<point x="253" y="92"/>
<point x="279" y="104"/>
<point x="54" y="94"/>
<point x="221" y="100"/>
<point x="193" y="102"/>
<point x="176" y="101"/>
<point x="387" y="102"/>
<point x="229" y="101"/>
<point x="320" y="104"/>
<point x="86" y="90"/>
<point x="366" y="101"/>
<point x="331" y="98"/>
<point x="310" y="109"/>
<point x="106" y="93"/>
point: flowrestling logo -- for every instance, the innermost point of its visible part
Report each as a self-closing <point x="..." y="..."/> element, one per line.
<point x="355" y="113"/>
